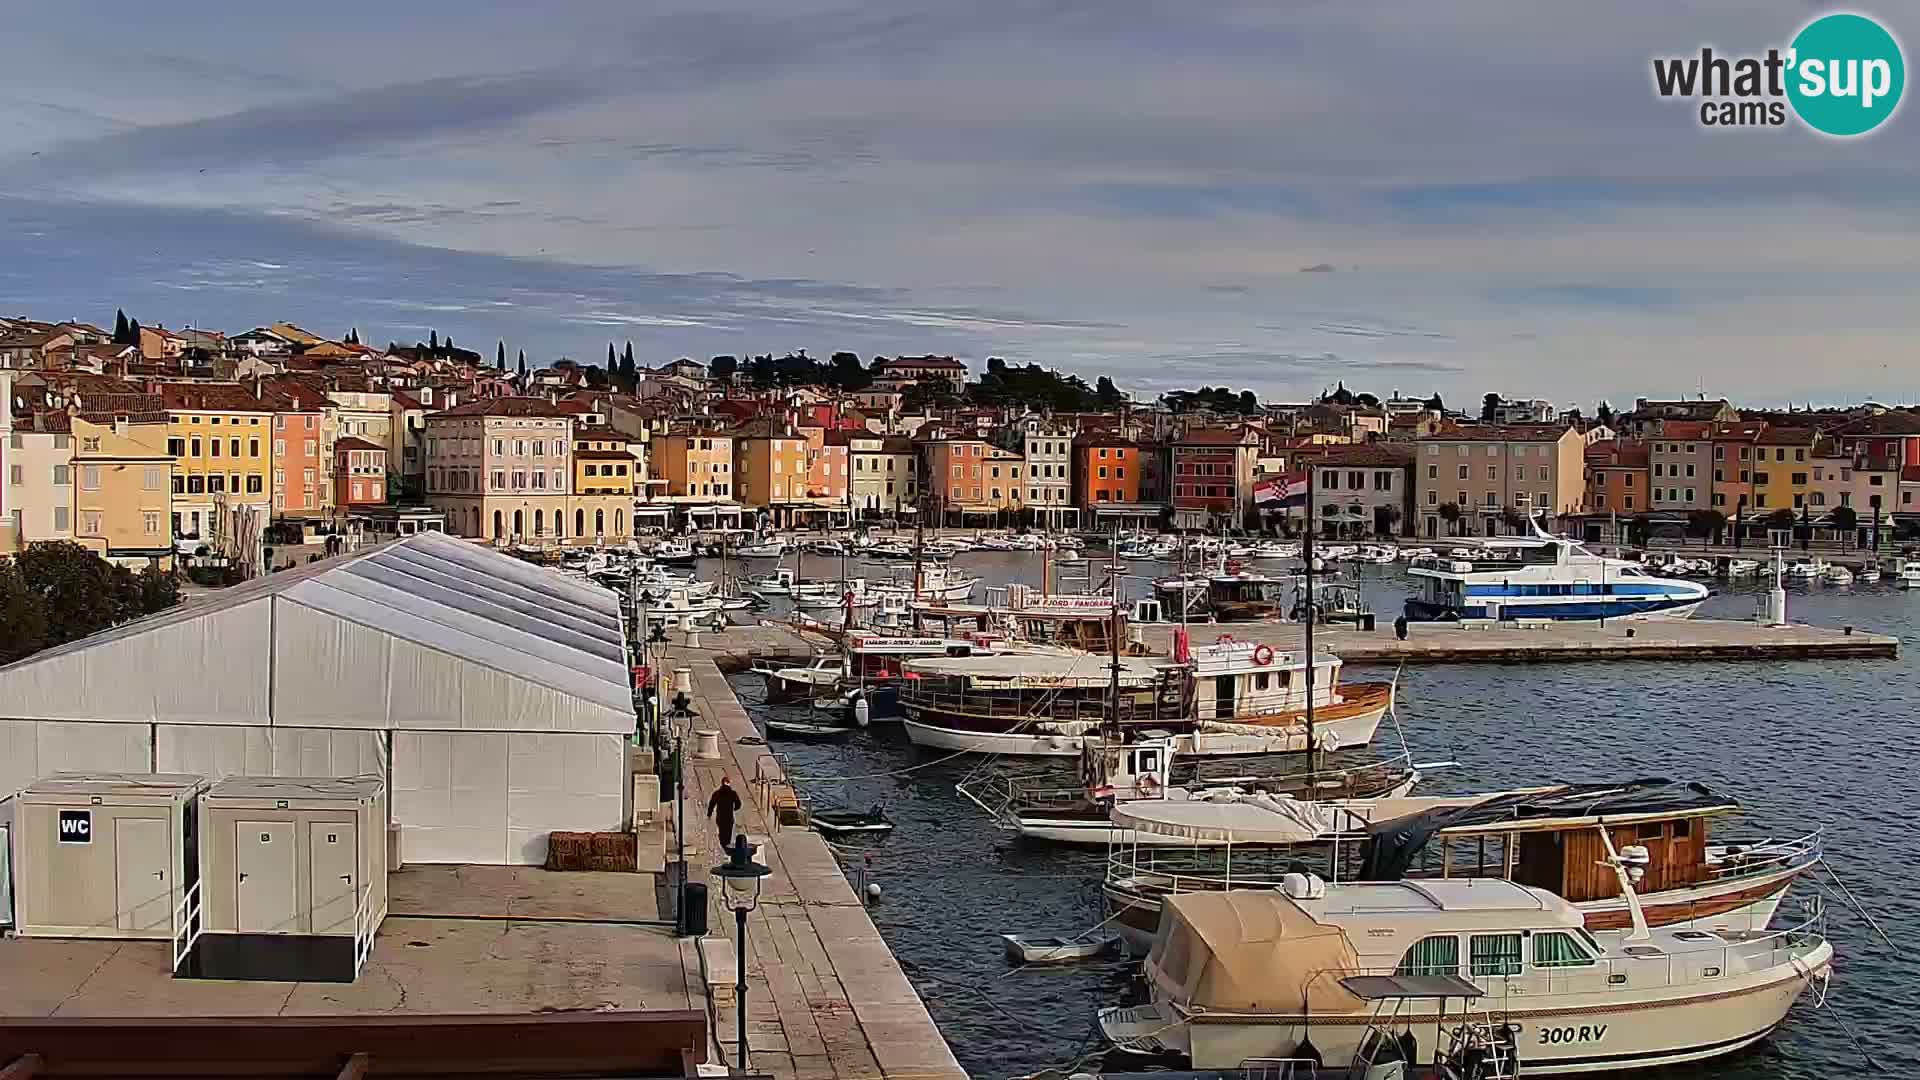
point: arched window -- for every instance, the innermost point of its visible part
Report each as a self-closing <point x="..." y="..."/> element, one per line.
<point x="599" y="522"/>
<point x="619" y="522"/>
<point x="473" y="522"/>
<point x="496" y="525"/>
<point x="560" y="524"/>
<point x="519" y="523"/>
<point x="539" y="523"/>
<point x="579" y="523"/>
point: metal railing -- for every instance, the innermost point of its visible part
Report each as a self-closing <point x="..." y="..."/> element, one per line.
<point x="1766" y="857"/>
<point x="364" y="926"/>
<point x="187" y="925"/>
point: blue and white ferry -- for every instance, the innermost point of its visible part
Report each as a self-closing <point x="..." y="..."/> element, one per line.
<point x="1544" y="577"/>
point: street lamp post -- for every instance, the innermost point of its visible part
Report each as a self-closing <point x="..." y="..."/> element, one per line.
<point x="682" y="716"/>
<point x="740" y="877"/>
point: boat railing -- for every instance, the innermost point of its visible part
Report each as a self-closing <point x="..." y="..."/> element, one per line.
<point x="1280" y="1069"/>
<point x="1054" y="707"/>
<point x="1767" y="857"/>
<point x="1717" y="956"/>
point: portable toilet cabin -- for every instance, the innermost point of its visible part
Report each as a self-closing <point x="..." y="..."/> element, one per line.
<point x="6" y="863"/>
<point x="104" y="855"/>
<point x="295" y="877"/>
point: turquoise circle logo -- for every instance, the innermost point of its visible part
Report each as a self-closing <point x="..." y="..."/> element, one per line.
<point x="1848" y="75"/>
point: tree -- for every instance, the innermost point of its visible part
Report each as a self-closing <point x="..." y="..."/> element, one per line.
<point x="120" y="327"/>
<point x="74" y="587"/>
<point x="433" y="341"/>
<point x="1705" y="523"/>
<point x="1604" y="414"/>
<point x="1639" y="530"/>
<point x="1371" y="401"/>
<point x="523" y="363"/>
<point x="1106" y="394"/>
<point x="1489" y="405"/>
<point x="353" y="335"/>
<point x="1450" y="513"/>
<point x="926" y="396"/>
<point x="629" y="371"/>
<point x="133" y="333"/>
<point x="613" y="362"/>
<point x="159" y="589"/>
<point x="1436" y="404"/>
<point x="23" y="621"/>
<point x="1513" y="519"/>
<point x="1845" y="521"/>
<point x="447" y="344"/>
<point x="500" y="355"/>
<point x="723" y="367"/>
<point x="1249" y="404"/>
<point x="1386" y="520"/>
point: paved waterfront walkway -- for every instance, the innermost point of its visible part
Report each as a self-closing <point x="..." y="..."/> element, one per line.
<point x="825" y="996"/>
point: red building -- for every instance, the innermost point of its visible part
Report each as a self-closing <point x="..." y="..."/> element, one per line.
<point x="359" y="474"/>
<point x="1213" y="477"/>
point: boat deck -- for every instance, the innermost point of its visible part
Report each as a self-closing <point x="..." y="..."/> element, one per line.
<point x="1617" y="639"/>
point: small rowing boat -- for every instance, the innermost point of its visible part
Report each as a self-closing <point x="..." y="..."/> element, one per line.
<point x="1029" y="949"/>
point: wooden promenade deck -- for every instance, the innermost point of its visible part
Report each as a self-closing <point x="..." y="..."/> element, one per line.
<point x="1643" y="639"/>
<point x="826" y="999"/>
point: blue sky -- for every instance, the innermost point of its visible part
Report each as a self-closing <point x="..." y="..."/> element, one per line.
<point x="1488" y="195"/>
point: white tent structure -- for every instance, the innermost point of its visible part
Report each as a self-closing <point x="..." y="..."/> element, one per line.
<point x="493" y="696"/>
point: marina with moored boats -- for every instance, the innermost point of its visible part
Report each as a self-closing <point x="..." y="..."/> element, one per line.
<point x="1239" y="763"/>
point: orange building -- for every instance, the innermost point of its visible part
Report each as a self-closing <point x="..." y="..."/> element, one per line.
<point x="1107" y="469"/>
<point x="956" y="474"/>
<point x="300" y="471"/>
<point x="1618" y="479"/>
<point x="1734" y="447"/>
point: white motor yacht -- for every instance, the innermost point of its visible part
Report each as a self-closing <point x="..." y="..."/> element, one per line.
<point x="1837" y="575"/>
<point x="1546" y="577"/>
<point x="1869" y="574"/>
<point x="1907" y="574"/>
<point x="1270" y="974"/>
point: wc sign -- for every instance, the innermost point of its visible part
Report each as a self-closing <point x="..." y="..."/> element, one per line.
<point x="76" y="826"/>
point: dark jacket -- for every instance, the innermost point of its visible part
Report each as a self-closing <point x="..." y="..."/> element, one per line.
<point x="724" y="804"/>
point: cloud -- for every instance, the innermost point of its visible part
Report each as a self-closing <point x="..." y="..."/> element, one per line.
<point x="1318" y="268"/>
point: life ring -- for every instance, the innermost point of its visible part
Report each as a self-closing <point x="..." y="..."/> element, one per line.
<point x="1328" y="741"/>
<point x="1263" y="655"/>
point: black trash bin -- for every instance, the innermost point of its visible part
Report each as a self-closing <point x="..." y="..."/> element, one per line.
<point x="694" y="896"/>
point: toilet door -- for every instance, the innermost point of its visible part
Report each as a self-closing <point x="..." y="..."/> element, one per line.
<point x="263" y="851"/>
<point x="333" y="870"/>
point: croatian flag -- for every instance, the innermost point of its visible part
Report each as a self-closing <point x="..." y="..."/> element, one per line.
<point x="1287" y="490"/>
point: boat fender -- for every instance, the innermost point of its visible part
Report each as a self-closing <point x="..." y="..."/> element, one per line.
<point x="1263" y="655"/>
<point x="862" y="712"/>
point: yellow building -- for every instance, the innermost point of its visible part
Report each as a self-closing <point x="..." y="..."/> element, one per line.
<point x="123" y="482"/>
<point x="1782" y="469"/>
<point x="770" y="464"/>
<point x="694" y="464"/>
<point x="601" y="501"/>
<point x="221" y="439"/>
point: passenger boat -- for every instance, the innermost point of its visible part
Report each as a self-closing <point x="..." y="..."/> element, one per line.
<point x="765" y="549"/>
<point x="1234" y="596"/>
<point x="1225" y="699"/>
<point x="1043" y="809"/>
<point x="788" y="584"/>
<point x="1546" y="577"/>
<point x="675" y="552"/>
<point x="1265" y="975"/>
<point x="1026" y="615"/>
<point x="1546" y="837"/>
<point x="876" y="662"/>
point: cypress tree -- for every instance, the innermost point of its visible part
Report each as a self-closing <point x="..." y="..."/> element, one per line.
<point x="433" y="340"/>
<point x="119" y="326"/>
<point x="500" y="355"/>
<point x="523" y="363"/>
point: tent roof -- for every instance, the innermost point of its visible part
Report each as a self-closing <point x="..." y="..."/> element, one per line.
<point x="437" y="592"/>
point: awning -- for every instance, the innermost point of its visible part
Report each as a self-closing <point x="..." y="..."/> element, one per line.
<point x="1253" y="819"/>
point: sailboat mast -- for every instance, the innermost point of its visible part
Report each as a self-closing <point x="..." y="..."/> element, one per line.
<point x="1313" y="616"/>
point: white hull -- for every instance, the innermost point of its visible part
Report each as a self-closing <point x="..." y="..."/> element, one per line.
<point x="1345" y="733"/>
<point x="1565" y="1026"/>
<point x="1102" y="833"/>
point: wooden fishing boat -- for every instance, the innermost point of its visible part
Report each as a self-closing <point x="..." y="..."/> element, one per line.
<point x="842" y="822"/>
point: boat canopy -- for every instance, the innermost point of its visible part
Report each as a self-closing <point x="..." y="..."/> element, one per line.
<point x="1039" y="671"/>
<point x="1249" y="951"/>
<point x="1395" y="844"/>
<point x="1411" y="987"/>
<point x="1244" y="819"/>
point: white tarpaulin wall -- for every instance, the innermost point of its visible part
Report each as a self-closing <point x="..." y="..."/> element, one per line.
<point x="495" y="694"/>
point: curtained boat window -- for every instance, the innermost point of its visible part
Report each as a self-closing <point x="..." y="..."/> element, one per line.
<point x="1495" y="954"/>
<point x="1437" y="955"/>
<point x="1555" y="949"/>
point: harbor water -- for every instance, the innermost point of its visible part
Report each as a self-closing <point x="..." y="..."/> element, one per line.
<point x="1803" y="744"/>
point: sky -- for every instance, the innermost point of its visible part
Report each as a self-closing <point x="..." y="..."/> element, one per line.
<point x="1458" y="198"/>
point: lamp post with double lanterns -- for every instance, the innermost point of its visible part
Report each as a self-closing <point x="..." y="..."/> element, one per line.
<point x="740" y="878"/>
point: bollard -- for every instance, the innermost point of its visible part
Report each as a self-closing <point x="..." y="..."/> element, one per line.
<point x="1847" y="630"/>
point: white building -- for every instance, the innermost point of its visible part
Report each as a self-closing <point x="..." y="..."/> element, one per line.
<point x="491" y="695"/>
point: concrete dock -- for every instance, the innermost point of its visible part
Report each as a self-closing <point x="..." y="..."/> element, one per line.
<point x="1474" y="642"/>
<point x="826" y="998"/>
